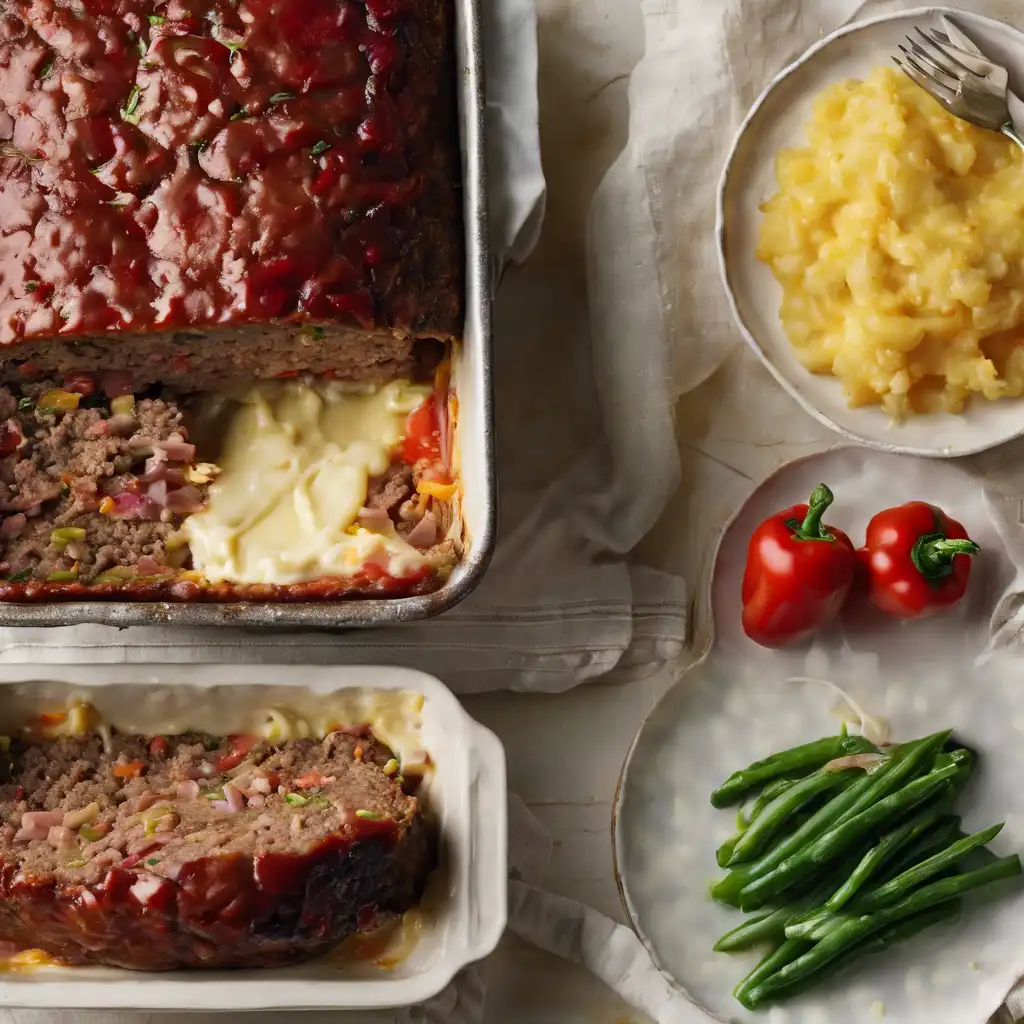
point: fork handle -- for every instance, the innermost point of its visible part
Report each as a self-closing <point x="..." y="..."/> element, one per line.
<point x="1009" y="129"/>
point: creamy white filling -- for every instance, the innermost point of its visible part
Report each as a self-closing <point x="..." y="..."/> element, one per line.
<point x="295" y="466"/>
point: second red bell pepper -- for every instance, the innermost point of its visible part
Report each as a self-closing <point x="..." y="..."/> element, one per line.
<point x="798" y="573"/>
<point x="916" y="560"/>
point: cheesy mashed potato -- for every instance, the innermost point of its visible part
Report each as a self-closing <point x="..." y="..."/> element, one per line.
<point x="897" y="235"/>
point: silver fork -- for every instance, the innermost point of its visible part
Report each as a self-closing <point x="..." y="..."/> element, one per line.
<point x="969" y="86"/>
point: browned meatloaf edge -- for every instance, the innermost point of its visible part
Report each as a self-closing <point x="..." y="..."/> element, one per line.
<point x="159" y="853"/>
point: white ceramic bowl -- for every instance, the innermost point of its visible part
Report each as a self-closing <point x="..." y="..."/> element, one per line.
<point x="736" y="705"/>
<point x="775" y="122"/>
<point x="465" y="906"/>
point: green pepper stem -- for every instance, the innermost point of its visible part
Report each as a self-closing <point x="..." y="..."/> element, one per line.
<point x="933" y="554"/>
<point x="811" y="528"/>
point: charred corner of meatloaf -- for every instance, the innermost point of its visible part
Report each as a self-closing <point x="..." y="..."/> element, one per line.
<point x="94" y="480"/>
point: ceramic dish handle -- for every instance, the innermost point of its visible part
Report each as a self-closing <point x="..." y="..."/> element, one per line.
<point x="488" y="866"/>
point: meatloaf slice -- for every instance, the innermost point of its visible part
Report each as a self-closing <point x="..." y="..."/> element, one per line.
<point x="92" y="488"/>
<point x="188" y="189"/>
<point x="193" y="851"/>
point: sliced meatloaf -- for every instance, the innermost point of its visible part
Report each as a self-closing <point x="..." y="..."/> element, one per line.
<point x="153" y="853"/>
<point x="194" y="189"/>
<point x="92" y="488"/>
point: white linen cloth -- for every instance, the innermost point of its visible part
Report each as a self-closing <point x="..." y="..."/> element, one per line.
<point x="652" y="271"/>
<point x="556" y="607"/>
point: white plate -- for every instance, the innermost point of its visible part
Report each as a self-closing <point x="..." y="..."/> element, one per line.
<point x="776" y="122"/>
<point x="735" y="705"/>
<point x="466" y="905"/>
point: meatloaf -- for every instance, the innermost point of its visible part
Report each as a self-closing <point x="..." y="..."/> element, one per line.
<point x="193" y="190"/>
<point x="97" y="485"/>
<point x="155" y="853"/>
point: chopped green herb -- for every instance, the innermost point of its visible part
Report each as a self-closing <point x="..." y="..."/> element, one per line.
<point x="31" y="286"/>
<point x="240" y="113"/>
<point x="20" y="577"/>
<point x="62" y="576"/>
<point x="153" y="860"/>
<point x="45" y="71"/>
<point x="214" y="794"/>
<point x="369" y="815"/>
<point x="295" y="800"/>
<point x="64" y="535"/>
<point x="65" y="490"/>
<point x="280" y="97"/>
<point x="156" y="19"/>
<point x="25" y="403"/>
<point x="313" y="332"/>
<point x="198" y="146"/>
<point x="128" y="110"/>
<point x="233" y="47"/>
<point x="143" y="48"/>
<point x="321" y="147"/>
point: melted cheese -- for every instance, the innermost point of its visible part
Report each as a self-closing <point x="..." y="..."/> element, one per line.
<point x="295" y="465"/>
<point x="395" y="718"/>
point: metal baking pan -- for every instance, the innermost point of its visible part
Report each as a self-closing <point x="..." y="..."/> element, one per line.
<point x="471" y="374"/>
<point x="463" y="912"/>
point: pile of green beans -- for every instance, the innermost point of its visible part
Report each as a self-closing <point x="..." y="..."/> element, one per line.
<point x="840" y="861"/>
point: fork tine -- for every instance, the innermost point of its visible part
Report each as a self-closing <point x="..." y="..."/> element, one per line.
<point x="977" y="65"/>
<point x="932" y="62"/>
<point x="946" y="52"/>
<point x="916" y="74"/>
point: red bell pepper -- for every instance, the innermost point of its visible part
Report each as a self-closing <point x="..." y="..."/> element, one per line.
<point x="798" y="574"/>
<point x="916" y="560"/>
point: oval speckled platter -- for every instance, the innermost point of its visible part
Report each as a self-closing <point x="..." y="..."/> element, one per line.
<point x="736" y="704"/>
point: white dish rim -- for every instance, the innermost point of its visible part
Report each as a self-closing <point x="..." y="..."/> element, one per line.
<point x="822" y="417"/>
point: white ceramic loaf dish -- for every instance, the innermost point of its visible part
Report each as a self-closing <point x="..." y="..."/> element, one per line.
<point x="466" y="907"/>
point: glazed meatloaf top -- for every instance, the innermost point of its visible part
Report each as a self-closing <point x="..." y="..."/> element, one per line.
<point x="176" y="164"/>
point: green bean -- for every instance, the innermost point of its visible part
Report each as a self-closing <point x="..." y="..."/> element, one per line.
<point x="770" y="926"/>
<point x="842" y="836"/>
<point x="854" y="929"/>
<point x="905" y="760"/>
<point x="906" y="763"/>
<point x="781" y="809"/>
<point x="728" y="889"/>
<point x="891" y="891"/>
<point x="887" y="847"/>
<point x="937" y="838"/>
<point x="817" y="923"/>
<point x="770" y="792"/>
<point x="808" y="755"/>
<point x="788" y="951"/>
<point x="875" y="944"/>
<point x="756" y="929"/>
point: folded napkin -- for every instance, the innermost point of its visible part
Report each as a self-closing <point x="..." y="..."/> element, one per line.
<point x="554" y="609"/>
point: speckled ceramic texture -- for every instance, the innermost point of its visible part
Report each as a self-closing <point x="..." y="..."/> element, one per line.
<point x="776" y="122"/>
<point x="735" y="705"/>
